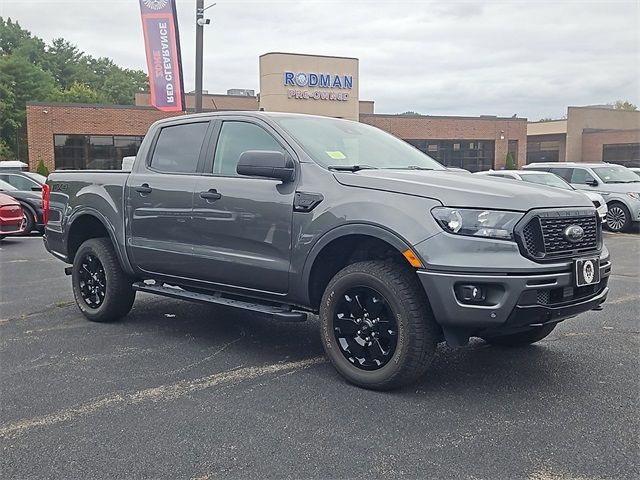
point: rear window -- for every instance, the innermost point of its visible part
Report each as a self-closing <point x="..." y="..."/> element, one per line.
<point x="178" y="148"/>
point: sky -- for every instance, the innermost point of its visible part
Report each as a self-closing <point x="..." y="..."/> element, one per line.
<point x="529" y="58"/>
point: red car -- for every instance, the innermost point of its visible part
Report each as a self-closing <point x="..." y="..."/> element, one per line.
<point x="11" y="216"/>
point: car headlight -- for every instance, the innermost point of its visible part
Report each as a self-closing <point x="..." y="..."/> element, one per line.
<point x="477" y="223"/>
<point x="634" y="195"/>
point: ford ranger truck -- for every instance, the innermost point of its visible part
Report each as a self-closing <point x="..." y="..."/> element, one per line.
<point x="288" y="214"/>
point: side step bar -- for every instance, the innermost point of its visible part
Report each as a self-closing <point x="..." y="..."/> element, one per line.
<point x="282" y="313"/>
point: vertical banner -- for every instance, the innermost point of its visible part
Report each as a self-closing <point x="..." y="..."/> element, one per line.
<point x="162" y="45"/>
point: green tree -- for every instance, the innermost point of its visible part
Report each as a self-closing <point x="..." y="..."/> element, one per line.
<point x="624" y="105"/>
<point x="42" y="168"/>
<point x="78" y="93"/>
<point x="31" y="70"/>
<point x="510" y="164"/>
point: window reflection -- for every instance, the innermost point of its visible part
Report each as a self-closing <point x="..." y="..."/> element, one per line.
<point x="103" y="152"/>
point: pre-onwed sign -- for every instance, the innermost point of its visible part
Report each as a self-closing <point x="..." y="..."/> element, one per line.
<point x="321" y="86"/>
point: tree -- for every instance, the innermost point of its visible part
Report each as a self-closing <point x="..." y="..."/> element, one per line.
<point x="31" y="70"/>
<point x="509" y="163"/>
<point x="409" y="113"/>
<point x="624" y="105"/>
<point x="79" y="93"/>
<point x="42" y="168"/>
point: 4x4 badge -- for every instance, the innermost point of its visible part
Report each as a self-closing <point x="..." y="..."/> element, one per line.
<point x="574" y="233"/>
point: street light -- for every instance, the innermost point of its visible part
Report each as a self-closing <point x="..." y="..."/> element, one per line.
<point x="200" y="23"/>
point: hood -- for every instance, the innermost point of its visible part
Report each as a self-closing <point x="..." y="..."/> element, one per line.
<point x="463" y="190"/>
<point x="6" y="200"/>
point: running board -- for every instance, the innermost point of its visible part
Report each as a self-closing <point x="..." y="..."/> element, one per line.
<point x="282" y="313"/>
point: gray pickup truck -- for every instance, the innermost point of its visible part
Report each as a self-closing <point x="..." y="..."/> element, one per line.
<point x="288" y="214"/>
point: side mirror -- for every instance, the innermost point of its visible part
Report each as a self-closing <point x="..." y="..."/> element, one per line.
<point x="36" y="189"/>
<point x="265" y="163"/>
<point x="593" y="182"/>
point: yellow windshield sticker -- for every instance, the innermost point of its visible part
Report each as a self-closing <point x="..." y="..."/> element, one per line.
<point x="336" y="155"/>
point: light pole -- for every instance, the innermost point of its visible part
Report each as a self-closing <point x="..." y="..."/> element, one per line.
<point x="200" y="23"/>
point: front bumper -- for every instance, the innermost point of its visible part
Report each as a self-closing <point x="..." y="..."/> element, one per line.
<point x="514" y="300"/>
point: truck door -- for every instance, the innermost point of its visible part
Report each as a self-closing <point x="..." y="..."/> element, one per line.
<point x="160" y="200"/>
<point x="242" y="224"/>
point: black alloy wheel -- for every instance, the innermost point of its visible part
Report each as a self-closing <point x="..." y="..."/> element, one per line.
<point x="617" y="217"/>
<point x="365" y="328"/>
<point x="93" y="283"/>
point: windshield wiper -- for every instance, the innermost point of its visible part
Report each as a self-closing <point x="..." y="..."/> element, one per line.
<point x="351" y="168"/>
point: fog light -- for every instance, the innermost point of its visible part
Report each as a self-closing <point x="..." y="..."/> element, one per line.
<point x="471" y="293"/>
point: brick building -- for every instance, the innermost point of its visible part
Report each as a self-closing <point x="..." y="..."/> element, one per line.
<point x="80" y="136"/>
<point x="588" y="134"/>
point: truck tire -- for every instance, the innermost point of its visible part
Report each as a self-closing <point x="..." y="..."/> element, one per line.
<point x="521" y="339"/>
<point x="376" y="325"/>
<point x="102" y="290"/>
<point x="618" y="217"/>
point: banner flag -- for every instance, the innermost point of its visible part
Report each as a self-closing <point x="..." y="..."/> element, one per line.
<point x="162" y="45"/>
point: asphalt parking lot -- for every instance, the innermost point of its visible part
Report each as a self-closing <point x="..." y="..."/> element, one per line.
<point x="178" y="390"/>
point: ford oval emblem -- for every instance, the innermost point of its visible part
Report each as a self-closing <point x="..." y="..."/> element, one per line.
<point x="574" y="233"/>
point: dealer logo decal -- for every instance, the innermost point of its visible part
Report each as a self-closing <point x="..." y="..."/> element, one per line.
<point x="155" y="4"/>
<point x="588" y="271"/>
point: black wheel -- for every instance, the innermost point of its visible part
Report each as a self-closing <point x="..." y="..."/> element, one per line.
<point x="618" y="217"/>
<point x="521" y="339"/>
<point x="102" y="290"/>
<point x="376" y="325"/>
<point x="29" y="220"/>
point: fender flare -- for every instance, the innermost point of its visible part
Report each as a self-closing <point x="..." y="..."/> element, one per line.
<point x="368" y="229"/>
<point x="92" y="212"/>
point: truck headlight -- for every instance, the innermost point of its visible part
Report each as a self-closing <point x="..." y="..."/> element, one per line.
<point x="477" y="223"/>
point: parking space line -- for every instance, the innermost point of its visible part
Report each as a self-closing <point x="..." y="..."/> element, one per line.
<point x="156" y="394"/>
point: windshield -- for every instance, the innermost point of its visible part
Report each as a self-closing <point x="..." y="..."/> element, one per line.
<point x="338" y="143"/>
<point x="41" y="179"/>
<point x="616" y="174"/>
<point x="548" y="179"/>
<point x="6" y="187"/>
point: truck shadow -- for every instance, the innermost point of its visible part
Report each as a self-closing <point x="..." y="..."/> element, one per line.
<point x="478" y="368"/>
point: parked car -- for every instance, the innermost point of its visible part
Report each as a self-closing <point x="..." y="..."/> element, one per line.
<point x="11" y="216"/>
<point x="31" y="203"/>
<point x="619" y="186"/>
<point x="24" y="180"/>
<point x="13" y="166"/>
<point x="550" y="180"/>
<point x="635" y="170"/>
<point x="287" y="214"/>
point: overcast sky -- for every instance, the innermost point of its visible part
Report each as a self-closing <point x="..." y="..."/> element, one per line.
<point x="531" y="58"/>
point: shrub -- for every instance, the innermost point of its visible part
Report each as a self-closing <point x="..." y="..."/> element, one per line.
<point x="42" y="168"/>
<point x="510" y="164"/>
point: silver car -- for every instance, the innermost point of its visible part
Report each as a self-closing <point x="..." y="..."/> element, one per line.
<point x="619" y="186"/>
<point x="550" y="180"/>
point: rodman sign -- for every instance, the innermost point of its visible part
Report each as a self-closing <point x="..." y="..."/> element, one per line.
<point x="162" y="45"/>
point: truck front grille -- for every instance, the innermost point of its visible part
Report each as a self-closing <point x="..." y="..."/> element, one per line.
<point x="543" y="237"/>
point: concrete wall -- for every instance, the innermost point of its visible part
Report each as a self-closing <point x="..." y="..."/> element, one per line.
<point x="275" y="96"/>
<point x="421" y="127"/>
<point x="582" y="118"/>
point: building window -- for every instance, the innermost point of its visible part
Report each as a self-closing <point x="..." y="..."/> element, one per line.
<point x="547" y="151"/>
<point x="474" y="156"/>
<point x="103" y="152"/>
<point x="627" y="154"/>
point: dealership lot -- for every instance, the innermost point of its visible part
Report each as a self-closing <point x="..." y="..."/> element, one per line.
<point x="178" y="390"/>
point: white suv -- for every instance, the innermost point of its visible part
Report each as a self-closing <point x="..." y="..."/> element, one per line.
<point x="619" y="186"/>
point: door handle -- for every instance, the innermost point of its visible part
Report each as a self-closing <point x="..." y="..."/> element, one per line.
<point x="211" y="195"/>
<point x="144" y="188"/>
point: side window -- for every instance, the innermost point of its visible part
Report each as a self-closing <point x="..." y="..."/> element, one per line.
<point x="178" y="148"/>
<point x="562" y="173"/>
<point x="236" y="138"/>
<point x="18" y="181"/>
<point x="581" y="175"/>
